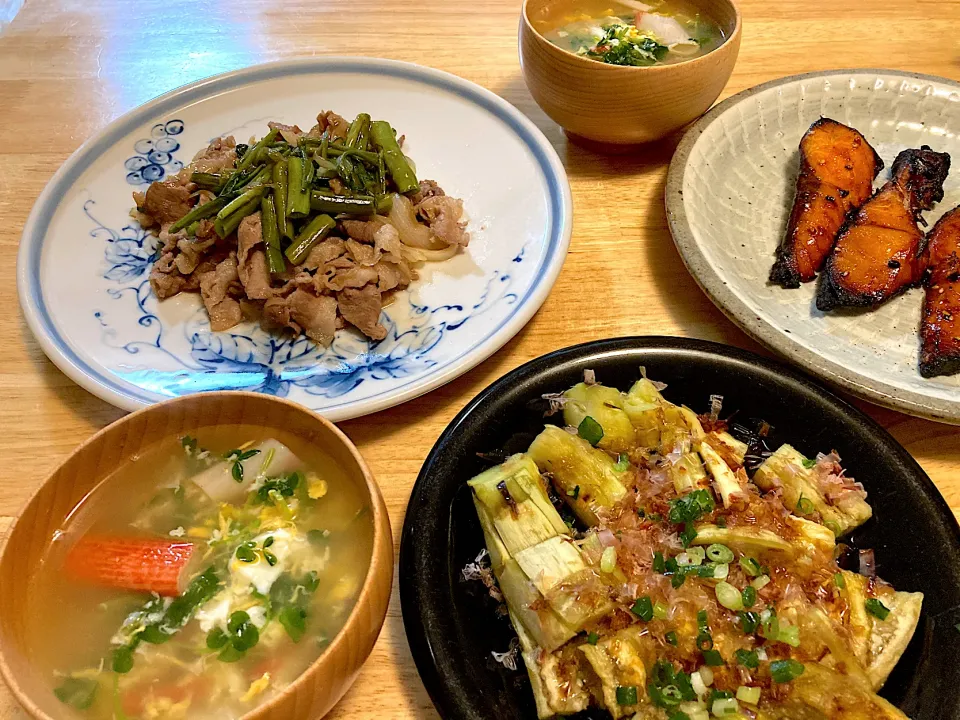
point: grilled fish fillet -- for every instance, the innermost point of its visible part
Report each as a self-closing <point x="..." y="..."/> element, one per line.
<point x="880" y="252"/>
<point x="940" y="326"/>
<point x="837" y="169"/>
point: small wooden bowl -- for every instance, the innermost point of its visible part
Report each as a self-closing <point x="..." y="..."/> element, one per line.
<point x="316" y="691"/>
<point x="623" y="105"/>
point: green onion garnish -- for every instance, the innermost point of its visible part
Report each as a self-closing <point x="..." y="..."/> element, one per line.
<point x="593" y="638"/>
<point x="691" y="507"/>
<point x="749" y="596"/>
<point x="783" y="671"/>
<point x="659" y="565"/>
<point x="804" y="505"/>
<point x="839" y="581"/>
<point x="688" y="535"/>
<point x="750" y="566"/>
<point x="643" y="608"/>
<point x="575" y="493"/>
<point x="877" y="608"/>
<point x="671" y="637"/>
<point x="590" y="430"/>
<point x="809" y="463"/>
<point x="626" y="695"/>
<point x="720" y="553"/>
<point x="660" y="610"/>
<point x="749" y="621"/>
<point x="729" y="596"/>
<point x="712" y="658"/>
<point x="748" y="658"/>
<point x="623" y="463"/>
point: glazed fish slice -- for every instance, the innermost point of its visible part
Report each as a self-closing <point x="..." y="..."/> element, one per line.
<point x="837" y="169"/>
<point x="880" y="252"/>
<point x="940" y="327"/>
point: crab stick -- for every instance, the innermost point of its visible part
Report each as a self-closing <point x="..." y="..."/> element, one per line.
<point x="131" y="563"/>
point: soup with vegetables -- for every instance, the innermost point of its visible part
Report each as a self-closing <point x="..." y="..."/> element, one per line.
<point x="630" y="33"/>
<point x="209" y="575"/>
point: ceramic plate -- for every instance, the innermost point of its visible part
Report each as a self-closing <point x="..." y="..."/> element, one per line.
<point x="729" y="195"/>
<point x="453" y="626"/>
<point x="83" y="264"/>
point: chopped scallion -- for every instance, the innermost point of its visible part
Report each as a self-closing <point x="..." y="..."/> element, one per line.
<point x="712" y="657"/>
<point x="719" y="553"/>
<point x="748" y="658"/>
<point x="729" y="596"/>
<point x="643" y="608"/>
<point x="877" y="608"/>
<point x="608" y="560"/>
<point x="783" y="671"/>
<point x="590" y="430"/>
<point x="626" y="695"/>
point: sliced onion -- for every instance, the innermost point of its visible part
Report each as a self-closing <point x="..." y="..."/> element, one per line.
<point x="412" y="254"/>
<point x="403" y="217"/>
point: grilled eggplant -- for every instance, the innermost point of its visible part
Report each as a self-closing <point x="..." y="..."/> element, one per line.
<point x="837" y="169"/>
<point x="940" y="327"/>
<point x="880" y="252"/>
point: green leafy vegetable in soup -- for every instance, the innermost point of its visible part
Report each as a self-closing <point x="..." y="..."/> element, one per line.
<point x="210" y="578"/>
<point x="634" y="34"/>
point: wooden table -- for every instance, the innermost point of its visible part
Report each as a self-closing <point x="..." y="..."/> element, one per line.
<point x="68" y="67"/>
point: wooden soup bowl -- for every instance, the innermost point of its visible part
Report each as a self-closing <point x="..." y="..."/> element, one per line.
<point x="623" y="105"/>
<point x="324" y="682"/>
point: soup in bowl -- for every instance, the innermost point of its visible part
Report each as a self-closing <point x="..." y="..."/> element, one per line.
<point x="220" y="556"/>
<point x="622" y="71"/>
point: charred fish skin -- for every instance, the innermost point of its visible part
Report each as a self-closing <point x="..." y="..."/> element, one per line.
<point x="880" y="252"/>
<point x="837" y="170"/>
<point x="940" y="324"/>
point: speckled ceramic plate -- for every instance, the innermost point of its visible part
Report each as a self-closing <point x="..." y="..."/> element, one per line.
<point x="83" y="264"/>
<point x="729" y="194"/>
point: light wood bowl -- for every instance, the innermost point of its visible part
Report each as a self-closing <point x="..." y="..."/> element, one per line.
<point x="316" y="691"/>
<point x="624" y="105"/>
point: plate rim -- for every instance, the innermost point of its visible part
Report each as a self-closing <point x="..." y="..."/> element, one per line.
<point x="715" y="288"/>
<point x="96" y="380"/>
<point x="413" y="588"/>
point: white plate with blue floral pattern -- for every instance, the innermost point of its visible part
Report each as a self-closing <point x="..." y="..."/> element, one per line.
<point x="84" y="264"/>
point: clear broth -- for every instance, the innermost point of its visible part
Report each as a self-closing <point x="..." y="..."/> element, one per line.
<point x="575" y="31"/>
<point x="72" y="623"/>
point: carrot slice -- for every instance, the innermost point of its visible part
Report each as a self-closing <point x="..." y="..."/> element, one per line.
<point x="130" y="563"/>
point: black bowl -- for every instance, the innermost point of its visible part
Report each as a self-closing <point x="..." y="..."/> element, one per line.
<point x="452" y="625"/>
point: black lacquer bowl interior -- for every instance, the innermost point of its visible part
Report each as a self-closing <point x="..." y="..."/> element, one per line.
<point x="452" y="625"/>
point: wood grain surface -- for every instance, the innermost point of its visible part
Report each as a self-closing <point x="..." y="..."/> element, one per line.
<point x="67" y="67"/>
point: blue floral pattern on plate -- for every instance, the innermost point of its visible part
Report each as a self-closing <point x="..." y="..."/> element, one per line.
<point x="252" y="358"/>
<point x="154" y="155"/>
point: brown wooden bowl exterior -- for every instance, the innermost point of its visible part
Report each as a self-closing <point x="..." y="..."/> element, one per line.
<point x="624" y="105"/>
<point x="318" y="689"/>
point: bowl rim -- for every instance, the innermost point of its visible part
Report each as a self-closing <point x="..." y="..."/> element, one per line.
<point x="427" y="644"/>
<point x="527" y="24"/>
<point x="381" y="530"/>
